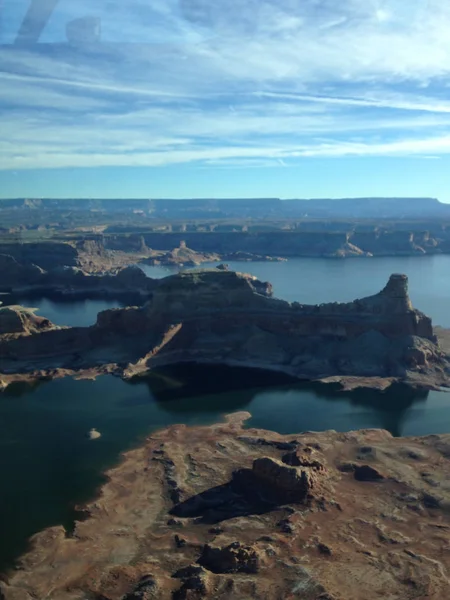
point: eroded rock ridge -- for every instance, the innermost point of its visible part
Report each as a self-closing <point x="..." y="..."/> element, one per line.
<point x="216" y="316"/>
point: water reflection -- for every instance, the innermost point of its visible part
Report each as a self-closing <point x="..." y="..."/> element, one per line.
<point x="191" y="380"/>
<point x="187" y="392"/>
<point x="386" y="410"/>
<point x="63" y="311"/>
<point x="48" y="464"/>
<point x="21" y="388"/>
<point x="278" y="401"/>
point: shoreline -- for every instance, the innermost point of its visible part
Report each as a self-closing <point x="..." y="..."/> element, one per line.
<point x="147" y="362"/>
<point x="213" y="316"/>
<point x="346" y="382"/>
<point x="142" y="521"/>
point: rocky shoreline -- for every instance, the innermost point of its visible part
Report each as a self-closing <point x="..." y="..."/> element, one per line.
<point x="225" y="512"/>
<point x="222" y="317"/>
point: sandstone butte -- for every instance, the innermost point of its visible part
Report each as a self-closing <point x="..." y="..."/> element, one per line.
<point x="222" y="512"/>
<point x="219" y="316"/>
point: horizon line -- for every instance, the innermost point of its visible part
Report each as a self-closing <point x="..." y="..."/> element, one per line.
<point x="218" y="198"/>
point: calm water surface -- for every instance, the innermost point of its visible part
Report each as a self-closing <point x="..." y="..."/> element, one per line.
<point x="307" y="280"/>
<point x="316" y="280"/>
<point x="75" y="313"/>
<point x="48" y="464"/>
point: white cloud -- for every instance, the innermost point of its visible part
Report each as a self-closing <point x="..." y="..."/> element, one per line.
<point x="265" y="80"/>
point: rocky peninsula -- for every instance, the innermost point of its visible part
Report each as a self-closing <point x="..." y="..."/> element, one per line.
<point x="224" y="512"/>
<point x="128" y="284"/>
<point x="222" y="317"/>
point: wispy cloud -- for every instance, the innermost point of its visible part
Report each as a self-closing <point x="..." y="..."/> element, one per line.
<point x="247" y="82"/>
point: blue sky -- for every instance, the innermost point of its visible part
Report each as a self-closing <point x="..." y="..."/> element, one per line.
<point x="288" y="98"/>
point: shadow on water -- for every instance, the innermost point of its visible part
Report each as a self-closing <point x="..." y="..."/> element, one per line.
<point x="22" y="388"/>
<point x="187" y="381"/>
<point x="49" y="465"/>
<point x="227" y="389"/>
<point x="390" y="407"/>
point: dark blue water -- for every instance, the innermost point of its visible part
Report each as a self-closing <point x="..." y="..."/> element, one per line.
<point x="48" y="464"/>
<point x="75" y="313"/>
<point x="317" y="280"/>
<point x="307" y="280"/>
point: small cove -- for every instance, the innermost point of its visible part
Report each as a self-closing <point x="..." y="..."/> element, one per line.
<point x="74" y="313"/>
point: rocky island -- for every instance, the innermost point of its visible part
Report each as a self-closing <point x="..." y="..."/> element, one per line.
<point x="223" y="512"/>
<point x="217" y="316"/>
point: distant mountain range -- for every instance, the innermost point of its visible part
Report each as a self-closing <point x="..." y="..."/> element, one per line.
<point x="256" y="208"/>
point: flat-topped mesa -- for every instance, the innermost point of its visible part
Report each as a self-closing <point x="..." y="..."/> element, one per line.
<point x="209" y="290"/>
<point x="215" y="316"/>
<point x="198" y="293"/>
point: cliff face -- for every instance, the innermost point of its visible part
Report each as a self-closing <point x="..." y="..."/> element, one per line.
<point x="194" y="292"/>
<point x="16" y="319"/>
<point x="46" y="255"/>
<point x="379" y="335"/>
<point x="223" y="513"/>
<point x="14" y="273"/>
<point x="304" y="242"/>
<point x="129" y="284"/>
<point x="217" y="295"/>
<point x="195" y="243"/>
<point x="197" y="208"/>
<point x="218" y="316"/>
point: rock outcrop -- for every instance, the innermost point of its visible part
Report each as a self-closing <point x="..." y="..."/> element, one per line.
<point x="14" y="273"/>
<point x="129" y="284"/>
<point x="359" y="535"/>
<point x="308" y="238"/>
<point x="276" y="482"/>
<point x="234" y="558"/>
<point x="213" y="316"/>
<point x="105" y="234"/>
<point x="17" y="319"/>
<point x="183" y="256"/>
<point x="46" y="255"/>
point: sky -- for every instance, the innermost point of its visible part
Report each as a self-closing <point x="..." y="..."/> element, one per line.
<point x="232" y="98"/>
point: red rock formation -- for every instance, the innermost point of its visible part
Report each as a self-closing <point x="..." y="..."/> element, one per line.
<point x="376" y="524"/>
<point x="16" y="319"/>
<point x="217" y="316"/>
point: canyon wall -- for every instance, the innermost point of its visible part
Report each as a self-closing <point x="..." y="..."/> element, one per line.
<point x="46" y="255"/>
<point x="214" y="316"/>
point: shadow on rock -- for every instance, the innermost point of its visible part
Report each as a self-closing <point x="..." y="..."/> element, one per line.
<point x="268" y="484"/>
<point x="221" y="503"/>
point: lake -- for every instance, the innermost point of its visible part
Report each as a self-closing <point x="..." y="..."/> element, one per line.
<point x="307" y="280"/>
<point x="75" y="313"/>
<point x="48" y="464"/>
